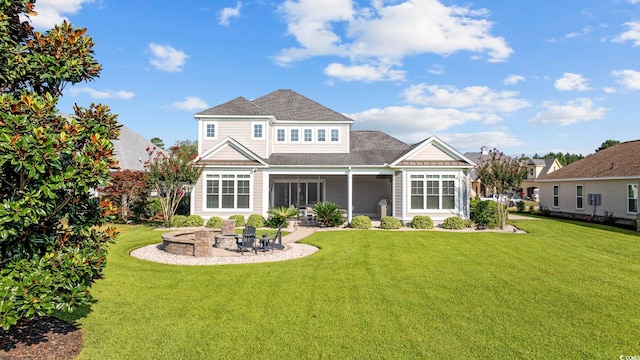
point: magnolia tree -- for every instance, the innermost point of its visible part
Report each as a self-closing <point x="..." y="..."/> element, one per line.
<point x="504" y="175"/>
<point x="52" y="243"/>
<point x="171" y="175"/>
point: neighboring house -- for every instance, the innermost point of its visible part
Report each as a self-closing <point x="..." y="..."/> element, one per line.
<point x="478" y="189"/>
<point x="284" y="149"/>
<point x="535" y="169"/>
<point x="599" y="185"/>
<point x="131" y="150"/>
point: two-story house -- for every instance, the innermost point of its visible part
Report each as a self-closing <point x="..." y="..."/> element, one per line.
<point x="537" y="168"/>
<point x="283" y="149"/>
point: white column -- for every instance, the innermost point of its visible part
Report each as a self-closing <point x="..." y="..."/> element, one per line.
<point x="349" y="195"/>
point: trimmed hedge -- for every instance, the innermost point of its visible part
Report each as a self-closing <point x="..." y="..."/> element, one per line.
<point x="390" y="223"/>
<point x="486" y="214"/>
<point x="239" y="219"/>
<point x="256" y="220"/>
<point x="454" y="223"/>
<point x="421" y="222"/>
<point x="187" y="221"/>
<point x="361" y="222"/>
<point x="214" y="222"/>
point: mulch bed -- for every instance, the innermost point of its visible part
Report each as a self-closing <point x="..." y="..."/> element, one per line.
<point x="46" y="338"/>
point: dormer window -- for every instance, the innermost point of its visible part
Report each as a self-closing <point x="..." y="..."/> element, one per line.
<point x="531" y="171"/>
<point x="335" y="135"/>
<point x="307" y="135"/>
<point x="280" y="135"/>
<point x="322" y="135"/>
<point x="258" y="131"/>
<point x="294" y="135"/>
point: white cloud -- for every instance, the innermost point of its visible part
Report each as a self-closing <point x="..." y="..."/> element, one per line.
<point x="227" y="13"/>
<point x="387" y="32"/>
<point x="191" y="103"/>
<point x="514" y="79"/>
<point x="474" y="98"/>
<point x="166" y="58"/>
<point x="630" y="79"/>
<point x="571" y="81"/>
<point x="53" y="12"/>
<point x="609" y="90"/>
<point x="633" y="34"/>
<point x="104" y="94"/>
<point x="436" y="69"/>
<point x="474" y="141"/>
<point x="579" y="110"/>
<point x="634" y="1"/>
<point x="366" y="73"/>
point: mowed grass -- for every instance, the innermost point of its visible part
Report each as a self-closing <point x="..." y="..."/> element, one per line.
<point x="561" y="291"/>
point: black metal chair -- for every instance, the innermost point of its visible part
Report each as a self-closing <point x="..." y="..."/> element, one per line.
<point x="246" y="241"/>
<point x="272" y="241"/>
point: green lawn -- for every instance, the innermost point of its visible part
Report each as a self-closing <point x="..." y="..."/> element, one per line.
<point x="565" y="290"/>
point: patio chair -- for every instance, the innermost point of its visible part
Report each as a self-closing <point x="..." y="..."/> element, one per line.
<point x="246" y="241"/>
<point x="272" y="241"/>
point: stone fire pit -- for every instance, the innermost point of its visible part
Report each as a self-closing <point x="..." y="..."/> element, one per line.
<point x="199" y="242"/>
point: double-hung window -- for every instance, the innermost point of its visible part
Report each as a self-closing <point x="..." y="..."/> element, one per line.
<point x="579" y="197"/>
<point x="556" y="195"/>
<point x="227" y="191"/>
<point x="432" y="192"/>
<point x="632" y="198"/>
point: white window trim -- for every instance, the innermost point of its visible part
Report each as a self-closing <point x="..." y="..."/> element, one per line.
<point x="215" y="130"/>
<point x="312" y="136"/>
<point x="439" y="179"/>
<point x="628" y="198"/>
<point x="235" y="208"/>
<point x="554" y="196"/>
<point x="581" y="196"/>
<point x="253" y="130"/>
<point x="326" y="136"/>
<point x="330" y="137"/>
<point x="291" y="129"/>
<point x="284" y="129"/>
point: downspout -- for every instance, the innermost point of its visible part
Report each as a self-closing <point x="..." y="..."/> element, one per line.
<point x="349" y="195"/>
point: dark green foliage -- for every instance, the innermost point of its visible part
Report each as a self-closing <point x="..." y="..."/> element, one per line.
<point x="473" y="205"/>
<point x="454" y="223"/>
<point x="532" y="209"/>
<point x="421" y="222"/>
<point x="564" y="159"/>
<point x="214" y="222"/>
<point x="256" y="220"/>
<point x="521" y="206"/>
<point x="239" y="220"/>
<point x="486" y="214"/>
<point x="52" y="243"/>
<point x="607" y="143"/>
<point x="328" y="214"/>
<point x="362" y="222"/>
<point x="278" y="216"/>
<point x="390" y="223"/>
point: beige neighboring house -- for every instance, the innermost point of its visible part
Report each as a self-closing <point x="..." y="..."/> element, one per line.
<point x="537" y="168"/>
<point x="283" y="149"/>
<point x="599" y="185"/>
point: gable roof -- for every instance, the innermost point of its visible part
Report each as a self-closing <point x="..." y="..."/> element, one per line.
<point x="131" y="149"/>
<point x="281" y="104"/>
<point x="454" y="158"/>
<point x="620" y="160"/>
<point x="247" y="157"/>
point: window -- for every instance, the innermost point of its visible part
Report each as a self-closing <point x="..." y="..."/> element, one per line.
<point x="322" y="135"/>
<point x="257" y="131"/>
<point x="227" y="191"/>
<point x="632" y="198"/>
<point x="433" y="192"/>
<point x="531" y="171"/>
<point x="210" y="130"/>
<point x="280" y="135"/>
<point x="578" y="196"/>
<point x="556" y="195"/>
<point x="335" y="135"/>
<point x="294" y="135"/>
<point x="307" y="135"/>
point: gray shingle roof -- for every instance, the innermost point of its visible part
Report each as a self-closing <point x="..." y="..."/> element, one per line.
<point x="131" y="149"/>
<point x="282" y="104"/>
<point x="366" y="148"/>
<point x="620" y="160"/>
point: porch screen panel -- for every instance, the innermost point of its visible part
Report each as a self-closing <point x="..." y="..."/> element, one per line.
<point x="312" y="197"/>
<point x="433" y="194"/>
<point x="417" y="194"/>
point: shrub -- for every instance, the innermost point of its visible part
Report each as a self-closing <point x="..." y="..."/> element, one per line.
<point x="389" y="222"/>
<point x="256" y="220"/>
<point x="532" y="209"/>
<point x="473" y="205"/>
<point x="361" y="222"/>
<point x="239" y="219"/>
<point x="421" y="222"/>
<point x="179" y="221"/>
<point x="214" y="222"/>
<point x="454" y="223"/>
<point x="520" y="206"/>
<point x="486" y="214"/>
<point x="279" y="215"/>
<point x="469" y="223"/>
<point x="195" y="220"/>
<point x="328" y="213"/>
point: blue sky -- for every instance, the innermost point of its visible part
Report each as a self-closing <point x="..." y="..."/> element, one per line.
<point x="520" y="76"/>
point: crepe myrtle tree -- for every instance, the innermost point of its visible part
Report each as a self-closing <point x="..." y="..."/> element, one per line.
<point x="171" y="175"/>
<point x="504" y="175"/>
<point x="53" y="244"/>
